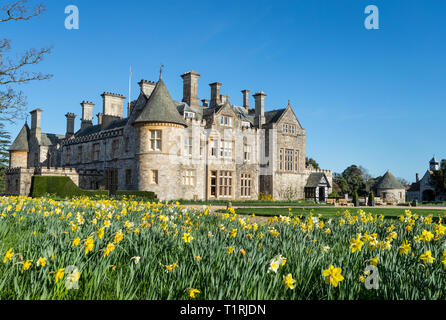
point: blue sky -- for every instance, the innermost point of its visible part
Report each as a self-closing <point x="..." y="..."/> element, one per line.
<point x="374" y="98"/>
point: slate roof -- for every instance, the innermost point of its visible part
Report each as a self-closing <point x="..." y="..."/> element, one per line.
<point x="160" y="107"/>
<point x="273" y="116"/>
<point x="50" y="139"/>
<point x="21" y="141"/>
<point x="315" y="178"/>
<point x="388" y="181"/>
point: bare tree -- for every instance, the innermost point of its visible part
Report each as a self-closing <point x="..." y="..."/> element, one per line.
<point x="14" y="71"/>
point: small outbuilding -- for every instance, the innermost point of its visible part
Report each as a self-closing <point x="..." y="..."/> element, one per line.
<point x="317" y="187"/>
<point x="388" y="188"/>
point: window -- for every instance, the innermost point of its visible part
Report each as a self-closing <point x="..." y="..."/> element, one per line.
<point x="188" y="114"/>
<point x="287" y="160"/>
<point x="296" y="160"/>
<point x="226" y="149"/>
<point x="201" y="147"/>
<point x="96" y="152"/>
<point x="126" y="144"/>
<point x="245" y="185"/>
<point x="67" y="155"/>
<point x="128" y="176"/>
<point x="155" y="140"/>
<point x="214" y="148"/>
<point x="225" y="184"/>
<point x="79" y="154"/>
<point x="247" y="152"/>
<point x="292" y="128"/>
<point x="246" y="124"/>
<point x="154" y="176"/>
<point x="285" y="128"/>
<point x="226" y="121"/>
<point x="213" y="183"/>
<point x="188" y="146"/>
<point x="189" y="177"/>
<point x="115" y="146"/>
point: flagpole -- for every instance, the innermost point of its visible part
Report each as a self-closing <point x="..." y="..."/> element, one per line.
<point x="130" y="84"/>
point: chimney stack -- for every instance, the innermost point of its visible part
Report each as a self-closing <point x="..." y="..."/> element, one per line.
<point x="190" y="88"/>
<point x="259" y="118"/>
<point x="70" y="124"/>
<point x="112" y="107"/>
<point x="215" y="94"/>
<point x="417" y="177"/>
<point x="99" y="115"/>
<point x="36" y="116"/>
<point x="147" y="87"/>
<point x="87" y="114"/>
<point x="246" y="99"/>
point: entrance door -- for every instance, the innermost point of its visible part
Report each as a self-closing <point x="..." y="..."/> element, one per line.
<point x="111" y="180"/>
<point x="321" y="194"/>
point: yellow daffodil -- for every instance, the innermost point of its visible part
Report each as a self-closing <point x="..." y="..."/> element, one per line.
<point x="187" y="237"/>
<point x="193" y="292"/>
<point x="41" y="262"/>
<point x="8" y="255"/>
<point x="59" y="274"/>
<point x="333" y="275"/>
<point x="427" y="257"/>
<point x="289" y="281"/>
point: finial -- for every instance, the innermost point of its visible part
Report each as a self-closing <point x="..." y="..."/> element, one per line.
<point x="161" y="70"/>
<point x="26" y="120"/>
<point x="289" y="102"/>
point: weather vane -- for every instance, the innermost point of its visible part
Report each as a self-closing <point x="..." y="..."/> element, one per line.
<point x="161" y="70"/>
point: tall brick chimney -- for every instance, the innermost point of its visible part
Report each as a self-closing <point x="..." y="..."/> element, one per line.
<point x="70" y="124"/>
<point x="246" y="99"/>
<point x="259" y="118"/>
<point x="190" y="88"/>
<point x="87" y="114"/>
<point x="215" y="94"/>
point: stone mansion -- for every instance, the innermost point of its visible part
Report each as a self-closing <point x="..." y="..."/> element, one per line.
<point x="179" y="150"/>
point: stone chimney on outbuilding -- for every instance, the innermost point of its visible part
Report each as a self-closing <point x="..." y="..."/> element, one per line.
<point x="112" y="107"/>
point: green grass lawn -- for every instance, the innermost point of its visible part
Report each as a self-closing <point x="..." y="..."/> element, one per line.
<point x="251" y="203"/>
<point x="331" y="211"/>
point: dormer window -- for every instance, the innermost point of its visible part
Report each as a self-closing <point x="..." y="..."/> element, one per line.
<point x="226" y="121"/>
<point x="246" y="124"/>
<point x="188" y="114"/>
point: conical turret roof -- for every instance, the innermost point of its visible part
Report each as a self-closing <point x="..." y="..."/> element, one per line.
<point x="160" y="107"/>
<point x="21" y="141"/>
<point x="388" y="181"/>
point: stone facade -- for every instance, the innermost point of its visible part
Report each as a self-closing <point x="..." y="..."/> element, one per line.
<point x="179" y="150"/>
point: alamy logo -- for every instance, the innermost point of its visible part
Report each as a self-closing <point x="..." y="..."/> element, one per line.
<point x="372" y="20"/>
<point x="372" y="280"/>
<point x="72" y="20"/>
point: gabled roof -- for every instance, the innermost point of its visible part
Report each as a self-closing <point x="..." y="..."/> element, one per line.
<point x="273" y="116"/>
<point x="414" y="187"/>
<point x="315" y="179"/>
<point x="160" y="107"/>
<point x="388" y="181"/>
<point x="21" y="141"/>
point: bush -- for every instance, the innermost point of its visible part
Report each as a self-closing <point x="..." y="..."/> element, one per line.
<point x="333" y="194"/>
<point x="62" y="187"/>
<point x="148" y="195"/>
<point x="355" y="196"/>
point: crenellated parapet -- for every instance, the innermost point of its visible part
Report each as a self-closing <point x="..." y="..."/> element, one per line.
<point x="94" y="136"/>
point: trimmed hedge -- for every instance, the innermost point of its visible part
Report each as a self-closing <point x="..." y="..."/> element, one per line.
<point x="136" y="193"/>
<point x="62" y="187"/>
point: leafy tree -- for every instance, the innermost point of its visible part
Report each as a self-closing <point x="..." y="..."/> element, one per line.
<point x="5" y="141"/>
<point x="355" y="181"/>
<point x="403" y="181"/>
<point x="311" y="161"/>
<point x="13" y="71"/>
<point x="341" y="182"/>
